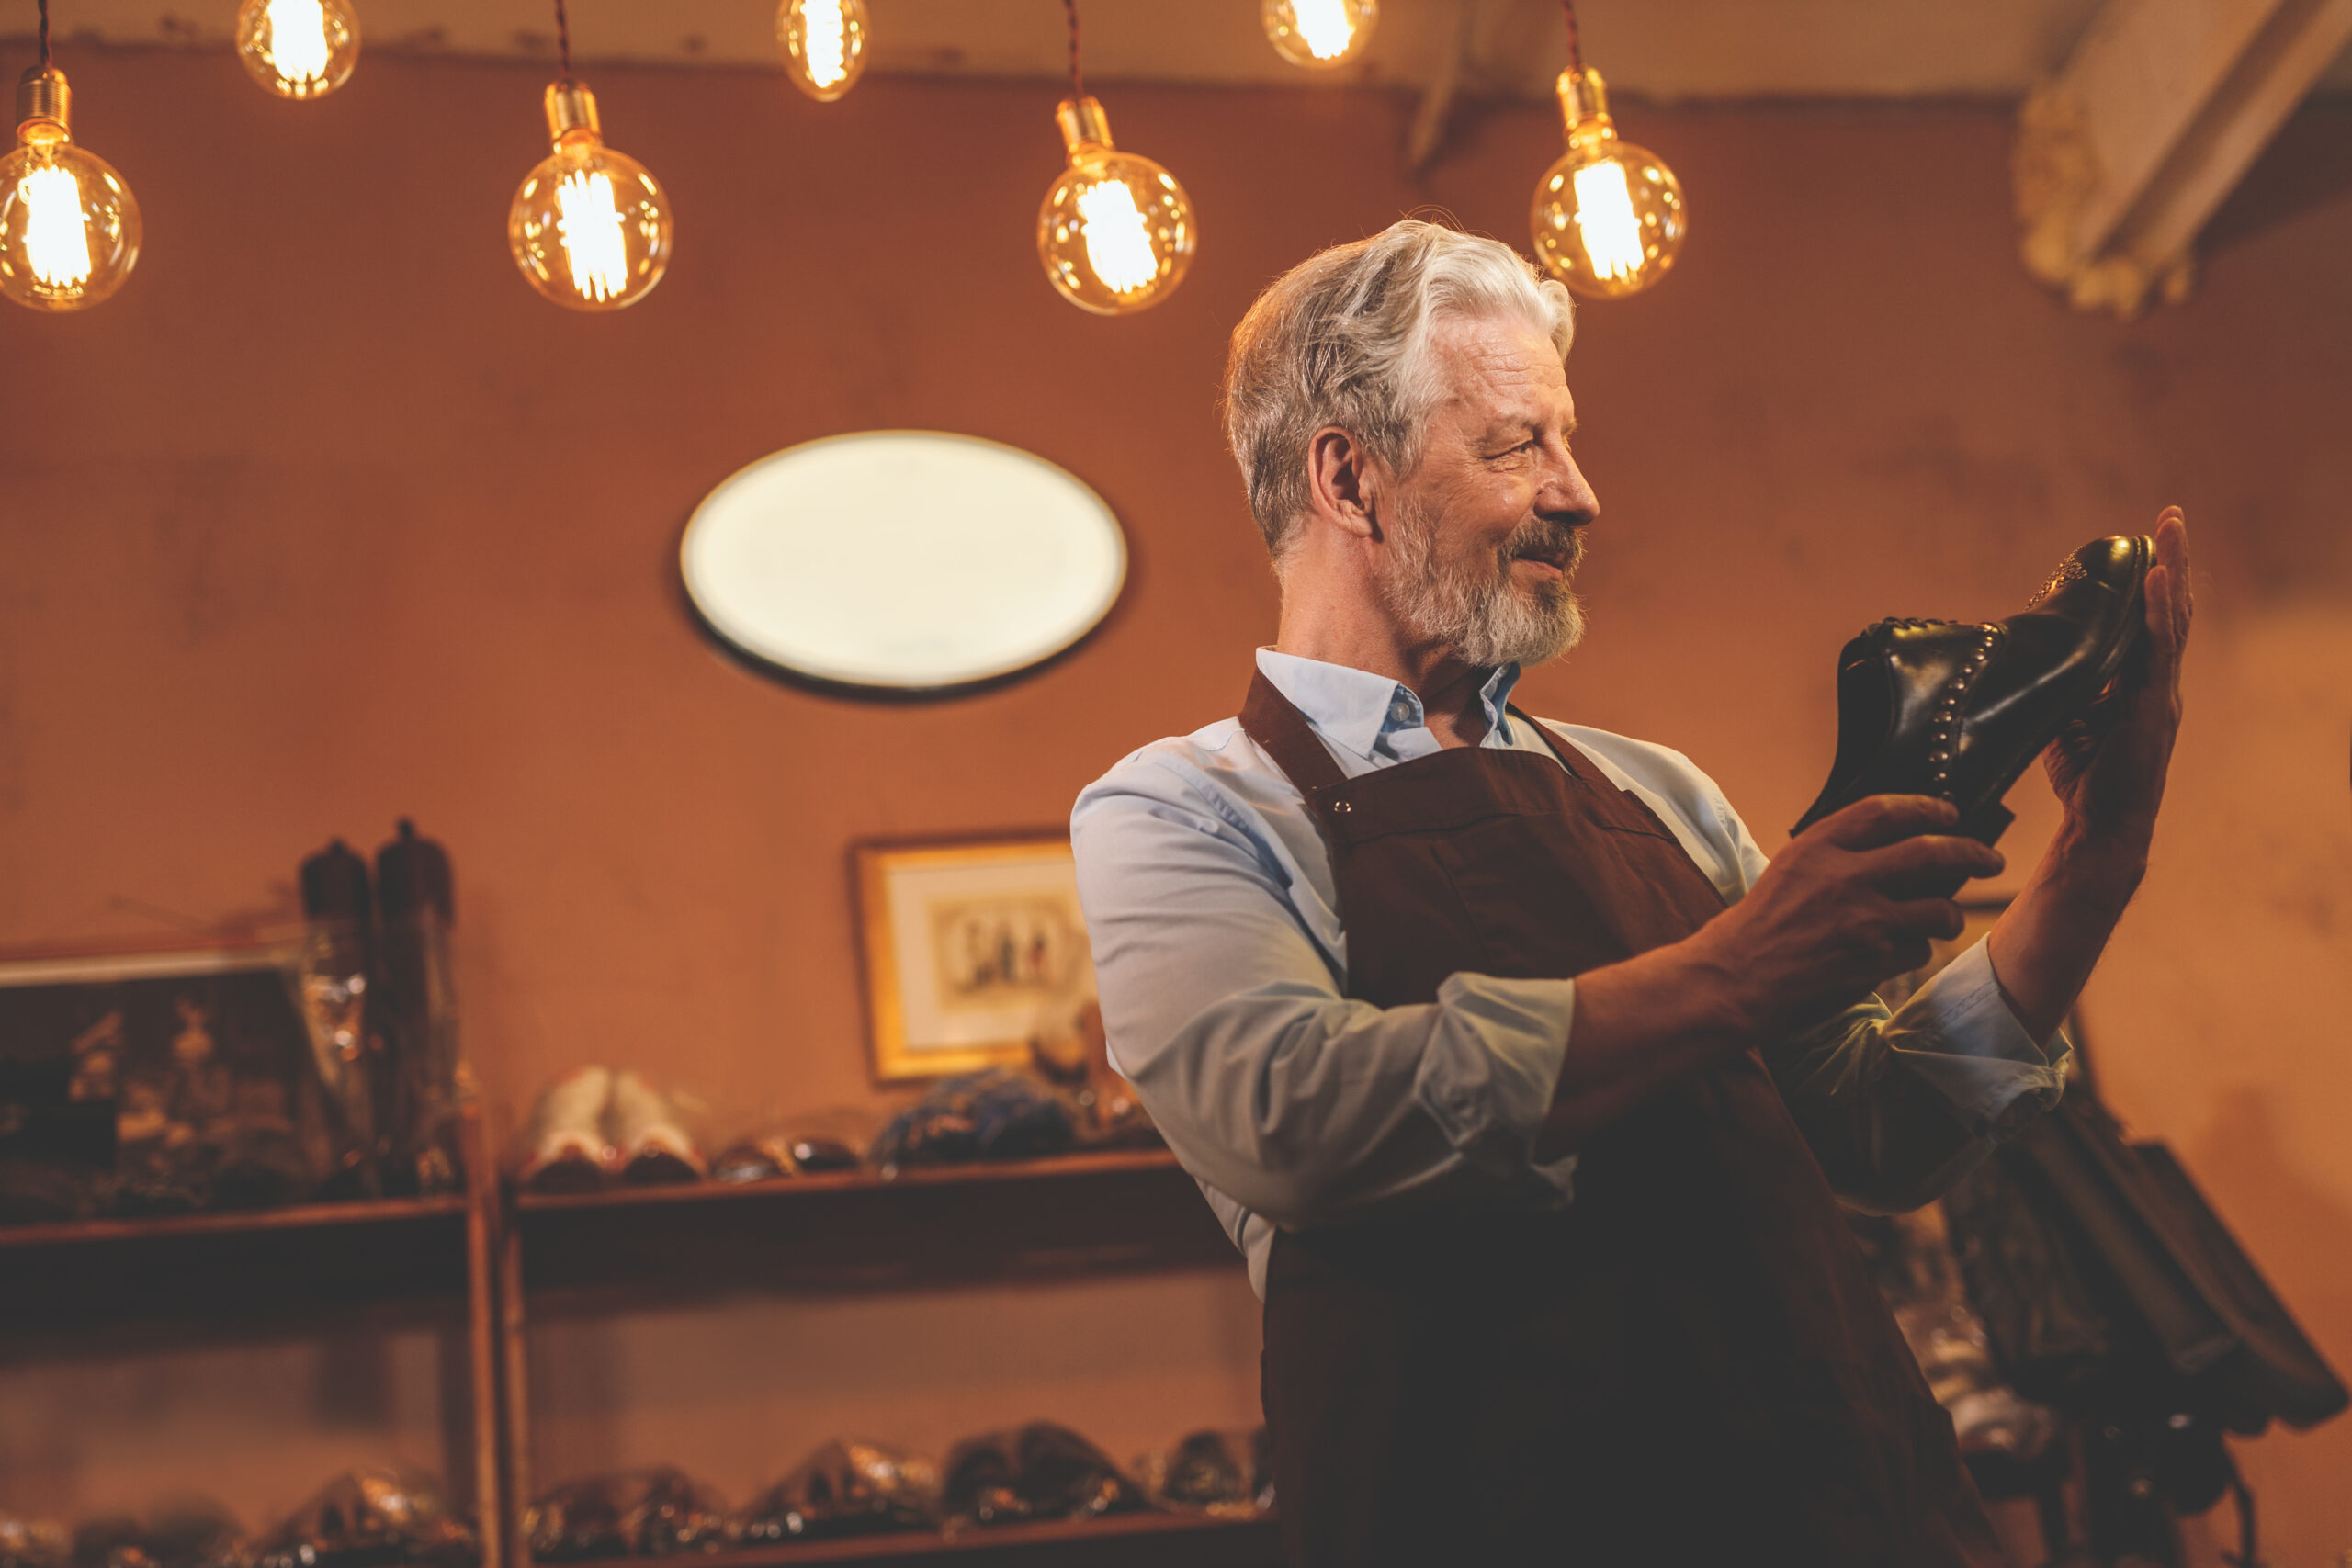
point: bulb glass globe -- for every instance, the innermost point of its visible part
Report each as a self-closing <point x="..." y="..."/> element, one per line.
<point x="823" y="44"/>
<point x="590" y="226"/>
<point x="1319" y="34"/>
<point x="1607" y="216"/>
<point x="69" y="227"/>
<point x="1116" y="231"/>
<point x="298" y="48"/>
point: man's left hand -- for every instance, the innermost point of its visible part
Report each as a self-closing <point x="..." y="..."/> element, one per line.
<point x="2107" y="766"/>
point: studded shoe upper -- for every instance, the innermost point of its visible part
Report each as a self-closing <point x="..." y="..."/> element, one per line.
<point x="1959" y="708"/>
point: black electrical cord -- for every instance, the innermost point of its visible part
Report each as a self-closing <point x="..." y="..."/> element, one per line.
<point x="44" y="35"/>
<point x="1576" y="44"/>
<point x="563" y="39"/>
<point x="1077" y="89"/>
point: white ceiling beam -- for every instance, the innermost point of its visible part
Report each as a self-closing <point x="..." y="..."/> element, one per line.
<point x="2164" y="105"/>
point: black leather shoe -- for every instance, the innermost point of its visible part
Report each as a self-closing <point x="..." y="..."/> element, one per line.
<point x="1959" y="708"/>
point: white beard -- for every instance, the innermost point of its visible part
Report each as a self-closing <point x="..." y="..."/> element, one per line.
<point x="1472" y="604"/>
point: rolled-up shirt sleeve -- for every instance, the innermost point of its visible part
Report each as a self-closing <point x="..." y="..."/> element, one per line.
<point x="1898" y="1106"/>
<point x="1895" y="1107"/>
<point x="1273" y="1087"/>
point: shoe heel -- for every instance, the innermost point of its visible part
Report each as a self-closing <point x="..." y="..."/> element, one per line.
<point x="1985" y="827"/>
<point x="1991" y="820"/>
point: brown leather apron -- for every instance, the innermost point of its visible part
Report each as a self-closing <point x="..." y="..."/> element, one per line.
<point x="1686" y="1365"/>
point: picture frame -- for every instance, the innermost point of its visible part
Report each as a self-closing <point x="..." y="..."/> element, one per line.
<point x="155" y="1078"/>
<point x="969" y="947"/>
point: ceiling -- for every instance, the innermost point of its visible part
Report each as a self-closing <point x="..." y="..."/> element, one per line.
<point x="1664" y="49"/>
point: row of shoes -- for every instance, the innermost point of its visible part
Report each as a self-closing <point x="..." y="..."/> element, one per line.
<point x="594" y="1125"/>
<point x="852" y="1487"/>
<point x="363" y="1519"/>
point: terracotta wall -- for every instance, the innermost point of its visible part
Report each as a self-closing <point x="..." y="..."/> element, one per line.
<point x="327" y="519"/>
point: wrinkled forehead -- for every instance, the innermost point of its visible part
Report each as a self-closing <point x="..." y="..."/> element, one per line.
<point x="1496" y="366"/>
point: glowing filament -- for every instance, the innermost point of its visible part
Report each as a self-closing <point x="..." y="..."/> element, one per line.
<point x="1611" y="234"/>
<point x="589" y="224"/>
<point x="1324" y="25"/>
<point x="825" y="41"/>
<point x="1118" y="247"/>
<point x="297" y="39"/>
<point x="57" y="244"/>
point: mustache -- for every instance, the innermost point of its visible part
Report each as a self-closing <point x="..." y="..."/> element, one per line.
<point x="1554" y="543"/>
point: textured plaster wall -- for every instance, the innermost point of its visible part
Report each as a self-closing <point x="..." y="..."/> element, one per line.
<point x="327" y="519"/>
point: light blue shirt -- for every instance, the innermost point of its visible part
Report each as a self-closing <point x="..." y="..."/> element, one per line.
<point x="1222" y="966"/>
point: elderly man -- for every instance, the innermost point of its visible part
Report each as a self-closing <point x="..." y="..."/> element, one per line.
<point x="1528" y="1088"/>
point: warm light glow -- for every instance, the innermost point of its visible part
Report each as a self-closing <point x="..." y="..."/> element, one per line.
<point x="1324" y="25"/>
<point x="824" y="45"/>
<point x="1319" y="34"/>
<point x="1118" y="247"/>
<point x="827" y="38"/>
<point x="298" y="48"/>
<point x="1611" y="234"/>
<point x="57" y="243"/>
<point x="589" y="224"/>
<point x="297" y="39"/>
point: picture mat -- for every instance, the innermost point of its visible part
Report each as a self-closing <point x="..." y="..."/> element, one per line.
<point x="998" y="922"/>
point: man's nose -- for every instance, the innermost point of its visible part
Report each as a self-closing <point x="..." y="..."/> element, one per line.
<point x="1565" y="496"/>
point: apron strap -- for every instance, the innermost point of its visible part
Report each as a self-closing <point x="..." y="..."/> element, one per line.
<point x="1274" y="722"/>
<point x="1580" y="768"/>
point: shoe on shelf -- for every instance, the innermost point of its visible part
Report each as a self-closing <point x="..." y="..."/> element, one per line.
<point x="650" y="1149"/>
<point x="1959" y="708"/>
<point x="564" y="1145"/>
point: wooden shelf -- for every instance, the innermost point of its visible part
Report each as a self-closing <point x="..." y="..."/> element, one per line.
<point x="298" y="1217"/>
<point x="176" y="1266"/>
<point x="1125" y="1540"/>
<point x="1077" y="1213"/>
<point x="1059" y="1168"/>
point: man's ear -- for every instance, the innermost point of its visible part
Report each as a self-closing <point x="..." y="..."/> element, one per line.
<point x="1340" y="483"/>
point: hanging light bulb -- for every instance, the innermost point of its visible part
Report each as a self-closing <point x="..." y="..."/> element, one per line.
<point x="1115" y="231"/>
<point x="1607" y="216"/>
<point x="590" y="226"/>
<point x="69" y="227"/>
<point x="824" y="45"/>
<point x="1319" y="34"/>
<point x="298" y="48"/>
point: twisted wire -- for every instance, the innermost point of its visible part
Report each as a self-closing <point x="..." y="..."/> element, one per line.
<point x="1077" y="88"/>
<point x="1576" y="44"/>
<point x="563" y="39"/>
<point x="44" y="35"/>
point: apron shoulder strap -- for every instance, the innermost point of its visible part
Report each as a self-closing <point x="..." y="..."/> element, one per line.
<point x="1274" y="722"/>
<point x="1580" y="767"/>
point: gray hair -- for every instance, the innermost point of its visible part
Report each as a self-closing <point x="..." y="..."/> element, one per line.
<point x="1344" y="339"/>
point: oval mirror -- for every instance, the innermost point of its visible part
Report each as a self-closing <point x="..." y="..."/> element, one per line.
<point x="909" y="560"/>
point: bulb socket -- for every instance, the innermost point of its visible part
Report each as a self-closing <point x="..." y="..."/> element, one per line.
<point x="44" y="107"/>
<point x="572" y="114"/>
<point x="1084" y="125"/>
<point x="1584" y="107"/>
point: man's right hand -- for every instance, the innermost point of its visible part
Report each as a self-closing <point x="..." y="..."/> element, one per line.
<point x="1852" y="900"/>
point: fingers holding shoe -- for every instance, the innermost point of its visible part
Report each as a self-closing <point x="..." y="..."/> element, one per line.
<point x="1852" y="900"/>
<point x="2108" y="769"/>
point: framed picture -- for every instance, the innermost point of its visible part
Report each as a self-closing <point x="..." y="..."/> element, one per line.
<point x="970" y="947"/>
<point x="153" y="1081"/>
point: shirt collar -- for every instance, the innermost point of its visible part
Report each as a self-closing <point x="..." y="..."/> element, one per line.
<point x="1360" y="710"/>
